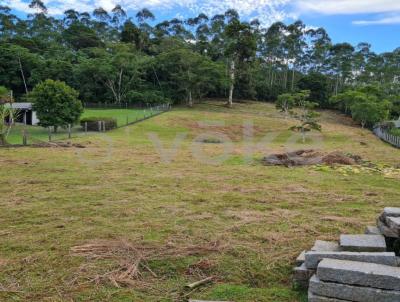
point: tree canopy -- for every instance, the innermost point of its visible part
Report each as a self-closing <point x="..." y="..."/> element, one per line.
<point x="108" y="56"/>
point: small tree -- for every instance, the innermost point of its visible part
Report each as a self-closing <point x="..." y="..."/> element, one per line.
<point x="304" y="113"/>
<point x="56" y="104"/>
<point x="7" y="114"/>
<point x="369" y="110"/>
<point x="286" y="102"/>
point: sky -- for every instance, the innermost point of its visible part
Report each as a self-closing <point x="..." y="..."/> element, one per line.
<point x="373" y="21"/>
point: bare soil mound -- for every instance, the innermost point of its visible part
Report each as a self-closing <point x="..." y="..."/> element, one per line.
<point x="310" y="157"/>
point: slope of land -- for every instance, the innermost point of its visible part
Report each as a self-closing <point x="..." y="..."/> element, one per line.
<point x="183" y="215"/>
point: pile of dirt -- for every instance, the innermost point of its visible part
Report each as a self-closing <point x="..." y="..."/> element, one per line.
<point x="310" y="157"/>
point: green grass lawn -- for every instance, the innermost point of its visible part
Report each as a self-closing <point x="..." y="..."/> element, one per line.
<point x="120" y="114"/>
<point x="37" y="133"/>
<point x="183" y="218"/>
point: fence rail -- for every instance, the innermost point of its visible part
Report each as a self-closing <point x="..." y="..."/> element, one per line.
<point x="120" y="105"/>
<point x="387" y="137"/>
<point x="27" y="135"/>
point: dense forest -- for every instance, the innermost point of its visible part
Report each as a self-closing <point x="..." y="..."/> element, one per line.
<point x="110" y="57"/>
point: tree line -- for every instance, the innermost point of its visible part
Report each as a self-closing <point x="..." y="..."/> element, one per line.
<point x="111" y="57"/>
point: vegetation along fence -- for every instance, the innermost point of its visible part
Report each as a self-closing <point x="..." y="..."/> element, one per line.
<point x="387" y="137"/>
<point x="93" y="120"/>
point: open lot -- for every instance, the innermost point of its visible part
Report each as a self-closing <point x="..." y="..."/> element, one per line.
<point x="181" y="216"/>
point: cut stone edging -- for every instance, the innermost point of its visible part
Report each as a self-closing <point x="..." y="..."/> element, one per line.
<point x="359" y="273"/>
<point x="386" y="258"/>
<point x="372" y="230"/>
<point x="385" y="230"/>
<point x="325" y="246"/>
<point x="363" y="243"/>
<point x="352" y="292"/>
<point x="315" y="298"/>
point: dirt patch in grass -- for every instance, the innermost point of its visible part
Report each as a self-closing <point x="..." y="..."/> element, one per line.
<point x="235" y="132"/>
<point x="310" y="157"/>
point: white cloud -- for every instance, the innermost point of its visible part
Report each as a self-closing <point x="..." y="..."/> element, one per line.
<point x="388" y="10"/>
<point x="336" y="7"/>
<point x="382" y="21"/>
<point x="267" y="11"/>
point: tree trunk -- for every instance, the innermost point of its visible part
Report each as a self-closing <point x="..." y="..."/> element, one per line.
<point x="55" y="129"/>
<point x="190" y="99"/>
<point x="232" y="87"/>
<point x="292" y="88"/>
<point x="2" y="140"/>
<point x="337" y="85"/>
<point x="22" y="74"/>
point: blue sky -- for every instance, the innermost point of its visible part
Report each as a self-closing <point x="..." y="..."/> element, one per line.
<point x="373" y="21"/>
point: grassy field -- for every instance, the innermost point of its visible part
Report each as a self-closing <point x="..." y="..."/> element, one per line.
<point x="116" y="221"/>
<point x="37" y="133"/>
<point x="120" y="114"/>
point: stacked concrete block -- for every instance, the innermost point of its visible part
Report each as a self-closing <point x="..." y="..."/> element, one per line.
<point x="341" y="280"/>
<point x="372" y="230"/>
<point x="363" y="243"/>
<point x="360" y="268"/>
<point x="389" y="222"/>
<point x="302" y="273"/>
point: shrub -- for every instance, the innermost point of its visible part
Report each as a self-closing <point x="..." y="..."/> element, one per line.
<point x="93" y="123"/>
<point x="56" y="104"/>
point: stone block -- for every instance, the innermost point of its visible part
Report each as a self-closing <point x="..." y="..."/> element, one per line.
<point x="352" y="292"/>
<point x="325" y="246"/>
<point x="393" y="223"/>
<point x="385" y="230"/>
<point x="303" y="273"/>
<point x="315" y="298"/>
<point x="390" y="212"/>
<point x="359" y="273"/>
<point x="372" y="230"/>
<point x="301" y="258"/>
<point x="363" y="243"/>
<point x="386" y="258"/>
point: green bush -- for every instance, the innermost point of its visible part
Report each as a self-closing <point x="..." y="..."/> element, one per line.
<point x="93" y="123"/>
<point x="56" y="104"/>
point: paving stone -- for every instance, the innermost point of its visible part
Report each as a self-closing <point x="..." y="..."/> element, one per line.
<point x="372" y="230"/>
<point x="385" y="230"/>
<point x="303" y="273"/>
<point x="325" y="246"/>
<point x="315" y="298"/>
<point x="352" y="292"/>
<point x="301" y="258"/>
<point x="391" y="212"/>
<point x="359" y="273"/>
<point x="386" y="258"/>
<point x="393" y="223"/>
<point x="363" y="243"/>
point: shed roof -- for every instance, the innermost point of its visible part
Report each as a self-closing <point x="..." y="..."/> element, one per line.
<point x="26" y="106"/>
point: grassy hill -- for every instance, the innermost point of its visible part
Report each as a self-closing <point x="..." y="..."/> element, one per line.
<point x="186" y="215"/>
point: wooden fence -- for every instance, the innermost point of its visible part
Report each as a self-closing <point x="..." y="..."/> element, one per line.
<point x="382" y="133"/>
